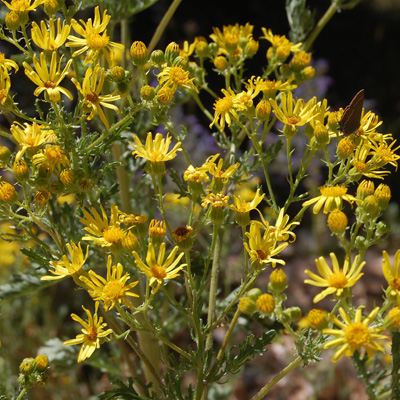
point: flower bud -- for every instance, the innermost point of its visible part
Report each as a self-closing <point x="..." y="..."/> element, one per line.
<point x="7" y="192"/>
<point x="5" y="154"/>
<point x="277" y="281"/>
<point x="291" y="314"/>
<point x="345" y="148"/>
<point x="27" y="366"/>
<point x="220" y="62"/>
<point x="157" y="57"/>
<point x="392" y="320"/>
<point x="51" y="7"/>
<point x="183" y="237"/>
<point x="130" y="242"/>
<point x="254" y="294"/>
<point x="165" y="95"/>
<point x="67" y="176"/>
<point x="321" y="133"/>
<point x="265" y="303"/>
<point x="157" y="231"/>
<point x="41" y="362"/>
<point x="383" y="194"/>
<point x="371" y="206"/>
<point x="318" y="319"/>
<point x="263" y="110"/>
<point x="42" y="197"/>
<point x="139" y="53"/>
<point x="337" y="221"/>
<point x="147" y="92"/>
<point x="247" y="306"/>
<point x="171" y="52"/>
<point x="12" y="20"/>
<point x="21" y="170"/>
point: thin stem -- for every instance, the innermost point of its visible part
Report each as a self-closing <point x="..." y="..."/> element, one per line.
<point x="294" y="364"/>
<point x="162" y="25"/>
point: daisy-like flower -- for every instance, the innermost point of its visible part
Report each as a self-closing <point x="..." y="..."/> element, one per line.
<point x="29" y="137"/>
<point x="262" y="249"/>
<point x="282" y="228"/>
<point x="195" y="174"/>
<point x="5" y="85"/>
<point x="22" y="7"/>
<point x="384" y="153"/>
<point x="93" y="333"/>
<point x="355" y="335"/>
<point x="331" y="197"/>
<point x="94" y="38"/>
<point x="6" y="64"/>
<point x="335" y="280"/>
<point x="391" y="273"/>
<point x="51" y="157"/>
<point x="277" y="40"/>
<point x="270" y="87"/>
<point x="65" y="267"/>
<point x="176" y="76"/>
<point x="294" y="113"/>
<point x="157" y="269"/>
<point x="46" y="37"/>
<point x="48" y="80"/>
<point x="228" y="39"/>
<point x="92" y="99"/>
<point x="225" y="109"/>
<point x="112" y="290"/>
<point x="216" y="169"/>
<point x="156" y="151"/>
<point x="102" y="231"/>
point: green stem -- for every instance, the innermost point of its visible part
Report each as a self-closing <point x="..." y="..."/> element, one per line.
<point x="213" y="286"/>
<point x="395" y="366"/>
<point x="162" y="25"/>
<point x="333" y="8"/>
<point x="22" y="394"/>
<point x="261" y="394"/>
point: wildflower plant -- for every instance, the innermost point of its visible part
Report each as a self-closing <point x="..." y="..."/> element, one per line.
<point x="163" y="215"/>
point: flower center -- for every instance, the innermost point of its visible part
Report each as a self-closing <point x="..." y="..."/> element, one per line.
<point x="262" y="254"/>
<point x="50" y="85"/>
<point x="356" y="334"/>
<point x="222" y="106"/>
<point x="19" y="5"/>
<point x="360" y="166"/>
<point x="179" y="75"/>
<point x="96" y="41"/>
<point x="54" y="155"/>
<point x="30" y="141"/>
<point x="293" y="120"/>
<point x="158" y="272"/>
<point x="92" y="333"/>
<point x="3" y="95"/>
<point x="338" y="280"/>
<point x="333" y="191"/>
<point x="114" y="290"/>
<point x="396" y="283"/>
<point x="92" y="97"/>
<point x="385" y="154"/>
<point x="113" y="234"/>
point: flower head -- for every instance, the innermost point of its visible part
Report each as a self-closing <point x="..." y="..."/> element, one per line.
<point x="224" y="109"/>
<point x="46" y="37"/>
<point x="110" y="290"/>
<point x="5" y="85"/>
<point x="391" y="273"/>
<point x="337" y="279"/>
<point x="93" y="333"/>
<point x="102" y="231"/>
<point x="48" y="80"/>
<point x="176" y="76"/>
<point x="157" y="269"/>
<point x="354" y="335"/>
<point x="94" y="38"/>
<point x="6" y="64"/>
<point x="331" y="197"/>
<point x="65" y="267"/>
<point x="92" y="99"/>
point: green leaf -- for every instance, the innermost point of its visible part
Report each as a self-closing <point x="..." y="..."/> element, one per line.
<point x="301" y="20"/>
<point x="128" y="392"/>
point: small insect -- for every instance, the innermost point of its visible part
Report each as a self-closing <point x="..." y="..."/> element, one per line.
<point x="350" y="121"/>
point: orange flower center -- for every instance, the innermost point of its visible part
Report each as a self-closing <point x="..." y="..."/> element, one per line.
<point x="357" y="335"/>
<point x="113" y="234"/>
<point x="30" y="141"/>
<point x="96" y="41"/>
<point x="50" y="85"/>
<point x="92" y="97"/>
<point x="396" y="283"/>
<point x="293" y="120"/>
<point x="338" y="280"/>
<point x="262" y="254"/>
<point x="114" y="290"/>
<point x="54" y="155"/>
<point x="92" y="333"/>
<point x="158" y="272"/>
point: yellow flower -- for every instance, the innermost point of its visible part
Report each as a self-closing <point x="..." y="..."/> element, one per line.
<point x="228" y="39"/>
<point x="22" y="6"/>
<point x="262" y="249"/>
<point x="195" y="174"/>
<point x="336" y="279"/>
<point x="92" y="99"/>
<point x="111" y="290"/>
<point x="176" y="76"/>
<point x="95" y="39"/>
<point x="281" y="230"/>
<point x="331" y="197"/>
<point x="270" y="87"/>
<point x="48" y="80"/>
<point x="28" y="137"/>
<point x="6" y="65"/>
<point x="224" y="109"/>
<point x="277" y="40"/>
<point x="158" y="269"/>
<point x="392" y="273"/>
<point x="243" y="206"/>
<point x="216" y="169"/>
<point x="218" y="200"/>
<point x="93" y="333"/>
<point x="294" y="113"/>
<point x="354" y="335"/>
<point x="46" y="37"/>
<point x="51" y="157"/>
<point x="7" y="192"/>
<point x="384" y="153"/>
<point x="157" y="150"/>
<point x="103" y="232"/>
<point x="5" y="85"/>
<point x="65" y="267"/>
